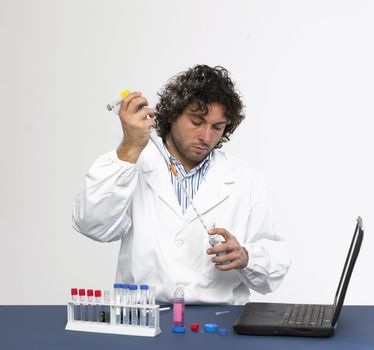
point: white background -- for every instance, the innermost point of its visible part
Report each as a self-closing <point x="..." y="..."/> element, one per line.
<point x="304" y="68"/>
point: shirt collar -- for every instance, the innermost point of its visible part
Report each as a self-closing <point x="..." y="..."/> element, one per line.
<point x="204" y="163"/>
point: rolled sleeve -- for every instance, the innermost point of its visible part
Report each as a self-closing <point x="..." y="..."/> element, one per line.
<point x="100" y="209"/>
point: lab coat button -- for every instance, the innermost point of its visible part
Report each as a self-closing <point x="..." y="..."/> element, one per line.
<point x="178" y="243"/>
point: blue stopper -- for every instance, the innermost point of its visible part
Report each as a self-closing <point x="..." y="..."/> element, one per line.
<point x="179" y="329"/>
<point x="210" y="328"/>
<point x="222" y="331"/>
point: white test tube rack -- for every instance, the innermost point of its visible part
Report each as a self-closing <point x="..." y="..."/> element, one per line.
<point x="113" y="327"/>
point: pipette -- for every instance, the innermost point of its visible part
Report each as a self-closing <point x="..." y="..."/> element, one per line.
<point x="213" y="239"/>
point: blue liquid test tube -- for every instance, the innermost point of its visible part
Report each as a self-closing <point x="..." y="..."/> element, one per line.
<point x="133" y="301"/>
<point x="143" y="302"/>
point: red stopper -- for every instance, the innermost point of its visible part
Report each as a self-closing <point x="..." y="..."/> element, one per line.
<point x="90" y="292"/>
<point x="97" y="293"/>
<point x="82" y="292"/>
<point x="195" y="327"/>
<point x="74" y="291"/>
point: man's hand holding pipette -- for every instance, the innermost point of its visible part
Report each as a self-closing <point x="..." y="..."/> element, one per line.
<point x="236" y="255"/>
<point x="136" y="119"/>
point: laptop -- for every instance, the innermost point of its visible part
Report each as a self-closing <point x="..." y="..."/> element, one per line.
<point x="309" y="320"/>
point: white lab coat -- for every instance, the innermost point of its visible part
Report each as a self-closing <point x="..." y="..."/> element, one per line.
<point x="164" y="248"/>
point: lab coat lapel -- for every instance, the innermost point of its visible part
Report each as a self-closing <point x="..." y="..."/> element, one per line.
<point x="216" y="187"/>
<point x="157" y="176"/>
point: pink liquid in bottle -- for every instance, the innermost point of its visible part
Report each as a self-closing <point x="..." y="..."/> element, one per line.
<point x="178" y="311"/>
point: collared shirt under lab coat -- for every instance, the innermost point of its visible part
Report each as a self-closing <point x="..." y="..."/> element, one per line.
<point x="164" y="248"/>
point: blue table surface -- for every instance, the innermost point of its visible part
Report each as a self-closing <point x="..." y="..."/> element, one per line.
<point x="43" y="327"/>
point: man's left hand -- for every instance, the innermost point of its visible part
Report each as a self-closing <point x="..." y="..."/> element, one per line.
<point x="236" y="255"/>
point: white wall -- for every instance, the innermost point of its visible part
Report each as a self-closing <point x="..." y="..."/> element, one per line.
<point x="305" y="69"/>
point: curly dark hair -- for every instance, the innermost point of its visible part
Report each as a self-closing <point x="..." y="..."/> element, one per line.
<point x="200" y="85"/>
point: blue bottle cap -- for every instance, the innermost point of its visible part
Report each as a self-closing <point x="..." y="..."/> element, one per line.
<point x="222" y="331"/>
<point x="144" y="286"/>
<point x="210" y="328"/>
<point x="117" y="285"/>
<point x="179" y="329"/>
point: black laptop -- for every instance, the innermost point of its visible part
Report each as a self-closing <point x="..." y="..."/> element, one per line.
<point x="309" y="320"/>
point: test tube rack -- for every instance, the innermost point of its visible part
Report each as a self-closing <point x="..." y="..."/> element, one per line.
<point x="112" y="327"/>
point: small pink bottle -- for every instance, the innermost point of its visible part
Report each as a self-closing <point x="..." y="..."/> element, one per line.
<point x="178" y="311"/>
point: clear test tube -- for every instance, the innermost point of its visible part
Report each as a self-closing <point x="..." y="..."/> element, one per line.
<point x="126" y="309"/>
<point x="97" y="306"/>
<point x="133" y="301"/>
<point x="106" y="307"/>
<point x="143" y="302"/>
<point x="82" y="306"/>
<point x="117" y="301"/>
<point x="90" y="305"/>
<point x="122" y="300"/>
<point x="74" y="298"/>
<point x="152" y="301"/>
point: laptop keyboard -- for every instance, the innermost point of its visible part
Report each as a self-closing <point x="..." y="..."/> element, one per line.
<point x="303" y="315"/>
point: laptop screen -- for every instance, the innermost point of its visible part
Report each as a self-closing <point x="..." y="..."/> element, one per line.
<point x="348" y="268"/>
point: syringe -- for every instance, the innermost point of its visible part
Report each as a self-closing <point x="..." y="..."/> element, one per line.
<point x="213" y="239"/>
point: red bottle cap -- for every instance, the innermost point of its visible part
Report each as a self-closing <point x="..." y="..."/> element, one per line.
<point x="82" y="292"/>
<point x="195" y="327"/>
<point x="90" y="292"/>
<point x="97" y="293"/>
<point x="74" y="291"/>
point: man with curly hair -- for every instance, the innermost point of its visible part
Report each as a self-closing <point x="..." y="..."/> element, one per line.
<point x="130" y="194"/>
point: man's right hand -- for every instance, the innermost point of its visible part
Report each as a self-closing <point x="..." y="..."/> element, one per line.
<point x="136" y="119"/>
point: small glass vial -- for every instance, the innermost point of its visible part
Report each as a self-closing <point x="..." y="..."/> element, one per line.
<point x="178" y="311"/>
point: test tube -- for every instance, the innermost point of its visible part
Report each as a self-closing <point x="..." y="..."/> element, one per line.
<point x="126" y="301"/>
<point x="133" y="300"/>
<point x="74" y="298"/>
<point x="97" y="305"/>
<point x="178" y="311"/>
<point x="90" y="307"/>
<point x="106" y="308"/>
<point x="117" y="301"/>
<point x="152" y="301"/>
<point x="143" y="302"/>
<point x="215" y="240"/>
<point x="82" y="300"/>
